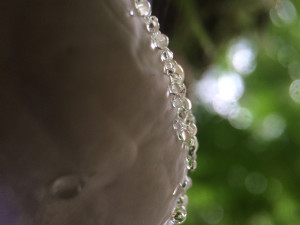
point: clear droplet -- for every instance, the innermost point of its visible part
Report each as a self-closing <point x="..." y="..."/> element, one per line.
<point x="177" y="89"/>
<point x="186" y="183"/>
<point x="177" y="102"/>
<point x="152" y="24"/>
<point x="183" y="186"/>
<point x="191" y="129"/>
<point x="177" y="124"/>
<point x="176" y="78"/>
<point x="160" y="40"/>
<point x="179" y="215"/>
<point x="183" y="135"/>
<point x="191" y="163"/>
<point x="179" y="70"/>
<point x="131" y="13"/>
<point x="187" y="104"/>
<point x="182" y="114"/>
<point x="143" y="7"/>
<point x="67" y="186"/>
<point x="182" y="200"/>
<point x="191" y="118"/>
<point x="170" y="67"/>
<point x="192" y="145"/>
<point x="166" y="55"/>
<point x="184" y="102"/>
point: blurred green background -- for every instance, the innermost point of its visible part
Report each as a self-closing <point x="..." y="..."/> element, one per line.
<point x="245" y="56"/>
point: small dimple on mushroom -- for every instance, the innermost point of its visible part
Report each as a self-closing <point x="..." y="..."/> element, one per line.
<point x="68" y="186"/>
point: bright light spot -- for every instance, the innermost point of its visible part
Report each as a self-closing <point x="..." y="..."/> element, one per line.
<point x="240" y="118"/>
<point x="242" y="57"/>
<point x="283" y="13"/>
<point x="223" y="107"/>
<point x="295" y="91"/>
<point x="220" y="91"/>
<point x="213" y="214"/>
<point x="230" y="86"/>
<point x="273" y="127"/>
<point x="207" y="88"/>
<point x="256" y="183"/>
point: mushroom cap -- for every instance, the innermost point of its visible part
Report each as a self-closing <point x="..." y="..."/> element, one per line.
<point x="86" y="132"/>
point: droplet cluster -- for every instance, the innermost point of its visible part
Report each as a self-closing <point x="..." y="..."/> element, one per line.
<point x="184" y="123"/>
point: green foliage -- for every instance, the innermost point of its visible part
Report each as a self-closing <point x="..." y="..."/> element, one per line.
<point x="248" y="176"/>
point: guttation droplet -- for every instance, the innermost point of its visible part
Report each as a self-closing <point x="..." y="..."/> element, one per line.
<point x="160" y="41"/>
<point x="166" y="55"/>
<point x="67" y="186"/>
<point x="152" y="24"/>
<point x="182" y="200"/>
<point x="179" y="216"/>
<point x="143" y="7"/>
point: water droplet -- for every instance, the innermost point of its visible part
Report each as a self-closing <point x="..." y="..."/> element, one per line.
<point x="160" y="40"/>
<point x="191" y="118"/>
<point x="166" y="55"/>
<point x="295" y="91"/>
<point x="179" y="215"/>
<point x="170" y="67"/>
<point x="182" y="200"/>
<point x="191" y="129"/>
<point x="187" y="104"/>
<point x="152" y="24"/>
<point x="184" y="102"/>
<point x="179" y="70"/>
<point x="176" y="78"/>
<point x="182" y="114"/>
<point x="143" y="7"/>
<point x="177" y="89"/>
<point x="192" y="145"/>
<point x="67" y="186"/>
<point x="177" y="124"/>
<point x="177" y="102"/>
<point x="191" y="163"/>
<point x="186" y="183"/>
<point x="182" y="135"/>
<point x="131" y="13"/>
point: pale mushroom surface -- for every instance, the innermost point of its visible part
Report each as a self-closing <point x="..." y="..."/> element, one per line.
<point x="86" y="132"/>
